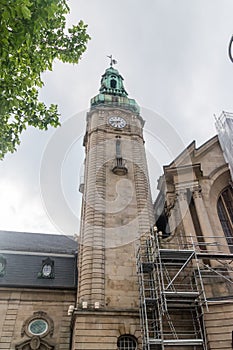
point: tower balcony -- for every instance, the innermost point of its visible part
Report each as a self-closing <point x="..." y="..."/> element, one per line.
<point x="119" y="167"/>
<point x="113" y="100"/>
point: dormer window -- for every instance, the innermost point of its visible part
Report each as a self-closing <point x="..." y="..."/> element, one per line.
<point x="2" y="266"/>
<point x="47" y="269"/>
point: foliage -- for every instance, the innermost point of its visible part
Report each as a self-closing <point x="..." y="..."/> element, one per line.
<point x="33" y="34"/>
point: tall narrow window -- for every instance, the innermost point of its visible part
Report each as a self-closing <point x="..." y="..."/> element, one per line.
<point x="225" y="213"/>
<point x="118" y="148"/>
<point x="119" y="167"/>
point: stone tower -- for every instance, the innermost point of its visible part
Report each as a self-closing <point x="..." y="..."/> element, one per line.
<point x="116" y="210"/>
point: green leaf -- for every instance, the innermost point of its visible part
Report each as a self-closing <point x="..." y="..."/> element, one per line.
<point x="26" y="12"/>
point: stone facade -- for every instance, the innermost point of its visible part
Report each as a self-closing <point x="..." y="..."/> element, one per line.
<point x="116" y="210"/>
<point x="102" y="328"/>
<point x="17" y="306"/>
<point x="189" y="193"/>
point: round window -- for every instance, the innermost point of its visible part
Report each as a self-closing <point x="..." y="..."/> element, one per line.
<point x="38" y="327"/>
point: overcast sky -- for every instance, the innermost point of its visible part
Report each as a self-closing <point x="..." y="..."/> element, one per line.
<point x="173" y="57"/>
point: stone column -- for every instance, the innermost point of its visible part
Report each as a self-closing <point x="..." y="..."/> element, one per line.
<point x="185" y="215"/>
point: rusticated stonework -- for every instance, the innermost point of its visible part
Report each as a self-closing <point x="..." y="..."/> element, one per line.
<point x="116" y="210"/>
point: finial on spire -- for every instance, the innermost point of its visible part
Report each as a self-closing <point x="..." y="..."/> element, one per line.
<point x="112" y="60"/>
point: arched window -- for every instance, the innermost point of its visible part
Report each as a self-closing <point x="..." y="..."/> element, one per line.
<point x="113" y="83"/>
<point x="225" y="213"/>
<point x="126" y="342"/>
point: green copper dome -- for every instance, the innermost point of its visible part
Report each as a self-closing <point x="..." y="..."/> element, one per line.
<point x="112" y="83"/>
<point x="112" y="92"/>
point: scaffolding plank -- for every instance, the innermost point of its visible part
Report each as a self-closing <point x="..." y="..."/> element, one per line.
<point x="151" y="300"/>
<point x="147" y="266"/>
<point x="213" y="255"/>
<point x="175" y="254"/>
<point x="176" y="342"/>
<point x="181" y="294"/>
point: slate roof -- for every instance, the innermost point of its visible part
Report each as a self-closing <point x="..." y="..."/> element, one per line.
<point x="23" y="271"/>
<point x="37" y="242"/>
<point x="24" y="254"/>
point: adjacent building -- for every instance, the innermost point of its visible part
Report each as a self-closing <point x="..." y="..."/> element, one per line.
<point x="38" y="279"/>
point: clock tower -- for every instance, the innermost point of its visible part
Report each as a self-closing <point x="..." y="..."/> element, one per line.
<point x="116" y="211"/>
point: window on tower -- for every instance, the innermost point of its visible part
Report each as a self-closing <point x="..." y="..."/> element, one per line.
<point x="113" y="83"/>
<point x="118" y="147"/>
<point x="126" y="342"/>
<point x="225" y="214"/>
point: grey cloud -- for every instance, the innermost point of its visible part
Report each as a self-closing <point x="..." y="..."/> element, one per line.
<point x="173" y="56"/>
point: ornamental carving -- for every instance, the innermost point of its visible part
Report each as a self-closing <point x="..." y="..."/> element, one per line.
<point x="197" y="192"/>
<point x="182" y="195"/>
<point x="34" y="344"/>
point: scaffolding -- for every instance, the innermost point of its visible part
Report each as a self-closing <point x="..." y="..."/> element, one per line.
<point x="171" y="287"/>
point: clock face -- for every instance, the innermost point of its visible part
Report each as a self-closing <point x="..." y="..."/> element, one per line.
<point x="117" y="122"/>
<point x="47" y="269"/>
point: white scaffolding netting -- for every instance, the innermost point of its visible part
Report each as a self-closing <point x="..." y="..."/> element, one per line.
<point x="224" y="126"/>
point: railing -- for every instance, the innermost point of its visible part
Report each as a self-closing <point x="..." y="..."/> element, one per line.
<point x="119" y="166"/>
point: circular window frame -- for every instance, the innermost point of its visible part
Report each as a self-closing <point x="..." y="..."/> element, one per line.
<point x="39" y="315"/>
<point x="38" y="320"/>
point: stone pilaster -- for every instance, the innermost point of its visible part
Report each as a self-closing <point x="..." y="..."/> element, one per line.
<point x="203" y="218"/>
<point x="185" y="215"/>
<point x="142" y="187"/>
<point x="8" y="327"/>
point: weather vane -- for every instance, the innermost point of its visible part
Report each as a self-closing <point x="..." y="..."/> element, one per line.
<point x="112" y="60"/>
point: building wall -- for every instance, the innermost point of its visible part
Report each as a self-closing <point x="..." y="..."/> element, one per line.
<point x="17" y="306"/>
<point x="191" y="186"/>
<point x="218" y="321"/>
<point x="101" y="329"/>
